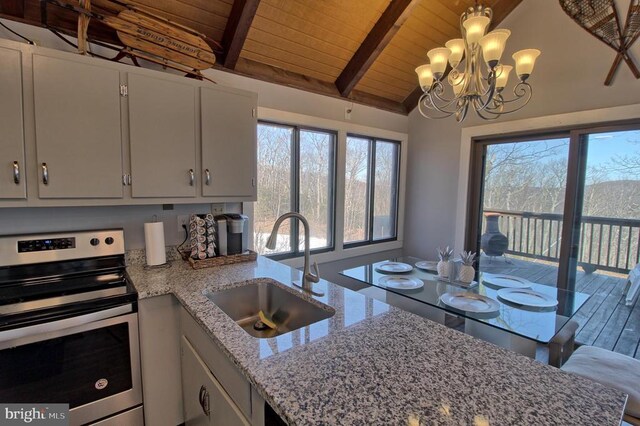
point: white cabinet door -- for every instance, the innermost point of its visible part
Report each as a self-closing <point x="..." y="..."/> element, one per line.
<point x="162" y="132"/>
<point x="78" y="130"/>
<point x="229" y="127"/>
<point x="12" y="167"/>
<point x="204" y="400"/>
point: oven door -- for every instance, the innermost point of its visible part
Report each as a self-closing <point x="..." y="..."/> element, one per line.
<point x="91" y="362"/>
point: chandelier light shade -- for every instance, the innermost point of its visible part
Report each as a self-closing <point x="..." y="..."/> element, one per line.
<point x="478" y="77"/>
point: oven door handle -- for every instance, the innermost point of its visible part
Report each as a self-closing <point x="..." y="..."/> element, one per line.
<point x="29" y="334"/>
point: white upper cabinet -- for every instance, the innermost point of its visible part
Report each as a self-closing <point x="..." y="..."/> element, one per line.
<point x="162" y="134"/>
<point x="228" y="143"/>
<point x="12" y="165"/>
<point x="78" y="129"/>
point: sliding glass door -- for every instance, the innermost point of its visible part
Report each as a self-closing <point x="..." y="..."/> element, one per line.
<point x="606" y="237"/>
<point x="520" y="194"/>
<point x="563" y="210"/>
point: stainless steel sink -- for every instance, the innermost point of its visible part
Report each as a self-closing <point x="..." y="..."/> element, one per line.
<point x="286" y="309"/>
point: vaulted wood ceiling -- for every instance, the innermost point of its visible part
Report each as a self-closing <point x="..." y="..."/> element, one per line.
<point x="362" y="50"/>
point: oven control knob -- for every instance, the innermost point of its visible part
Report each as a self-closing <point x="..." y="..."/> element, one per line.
<point x="108" y="240"/>
<point x="94" y="241"/>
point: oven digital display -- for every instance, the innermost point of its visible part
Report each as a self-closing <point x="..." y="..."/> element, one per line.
<point x="27" y="246"/>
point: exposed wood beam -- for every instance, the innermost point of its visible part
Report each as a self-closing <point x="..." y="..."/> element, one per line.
<point x="411" y="101"/>
<point x="260" y="71"/>
<point x="237" y="29"/>
<point x="12" y="7"/>
<point x="381" y="34"/>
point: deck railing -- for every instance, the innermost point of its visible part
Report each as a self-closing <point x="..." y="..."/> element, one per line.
<point x="609" y="244"/>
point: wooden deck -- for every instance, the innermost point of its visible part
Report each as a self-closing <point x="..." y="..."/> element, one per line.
<point x="605" y="321"/>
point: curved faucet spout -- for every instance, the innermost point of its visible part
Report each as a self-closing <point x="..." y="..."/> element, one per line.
<point x="307" y="277"/>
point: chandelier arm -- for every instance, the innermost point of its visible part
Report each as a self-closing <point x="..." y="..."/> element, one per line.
<point x="490" y="93"/>
<point x="491" y="113"/>
<point x="435" y="92"/>
<point x="422" y="101"/>
<point x="523" y="93"/>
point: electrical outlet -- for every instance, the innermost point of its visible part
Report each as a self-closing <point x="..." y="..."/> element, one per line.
<point x="217" y="208"/>
<point x="183" y="219"/>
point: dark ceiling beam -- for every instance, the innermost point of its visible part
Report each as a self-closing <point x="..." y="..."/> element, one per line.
<point x="237" y="29"/>
<point x="271" y="74"/>
<point x="381" y="34"/>
<point x="12" y="7"/>
<point x="411" y="101"/>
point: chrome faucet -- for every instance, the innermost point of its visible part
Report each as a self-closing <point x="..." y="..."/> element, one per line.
<point x="308" y="279"/>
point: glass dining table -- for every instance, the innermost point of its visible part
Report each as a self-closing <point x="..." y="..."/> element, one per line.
<point x="534" y="325"/>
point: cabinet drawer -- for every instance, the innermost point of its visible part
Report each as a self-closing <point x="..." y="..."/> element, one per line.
<point x="205" y="401"/>
<point x="222" y="368"/>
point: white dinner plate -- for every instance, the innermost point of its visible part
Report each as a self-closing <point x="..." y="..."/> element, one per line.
<point x="401" y="283"/>
<point x="470" y="302"/>
<point x="506" y="281"/>
<point x="427" y="265"/>
<point x="394" y="267"/>
<point x="526" y="297"/>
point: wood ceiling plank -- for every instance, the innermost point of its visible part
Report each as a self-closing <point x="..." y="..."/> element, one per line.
<point x="290" y="61"/>
<point x="339" y="60"/>
<point x="381" y="89"/>
<point x="322" y="27"/>
<point x="237" y="28"/>
<point x="350" y="19"/>
<point x="202" y="21"/>
<point x="379" y="37"/>
<point x="263" y="26"/>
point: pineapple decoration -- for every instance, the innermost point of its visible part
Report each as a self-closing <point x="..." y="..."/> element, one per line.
<point x="443" y="264"/>
<point x="467" y="271"/>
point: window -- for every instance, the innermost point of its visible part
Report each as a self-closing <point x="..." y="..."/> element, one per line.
<point x="371" y="190"/>
<point x="296" y="172"/>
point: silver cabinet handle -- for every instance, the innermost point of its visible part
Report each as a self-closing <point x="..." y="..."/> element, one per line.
<point x="192" y="177"/>
<point x="45" y="174"/>
<point x="203" y="397"/>
<point x="207" y="174"/>
<point x="16" y="173"/>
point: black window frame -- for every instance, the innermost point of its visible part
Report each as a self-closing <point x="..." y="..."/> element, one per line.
<point x="295" y="189"/>
<point x="371" y="173"/>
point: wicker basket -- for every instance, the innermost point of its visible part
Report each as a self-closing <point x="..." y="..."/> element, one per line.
<point x="211" y="262"/>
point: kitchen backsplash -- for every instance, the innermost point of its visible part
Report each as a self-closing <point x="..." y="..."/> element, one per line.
<point x="130" y="218"/>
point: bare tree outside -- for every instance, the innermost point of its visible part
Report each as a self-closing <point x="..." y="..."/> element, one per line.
<point x="526" y="182"/>
<point x="275" y="189"/>
<point x="355" y="189"/>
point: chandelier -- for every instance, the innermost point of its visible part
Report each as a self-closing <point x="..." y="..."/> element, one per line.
<point x="474" y="85"/>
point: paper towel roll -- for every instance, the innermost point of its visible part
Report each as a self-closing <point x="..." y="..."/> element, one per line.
<point x="154" y="243"/>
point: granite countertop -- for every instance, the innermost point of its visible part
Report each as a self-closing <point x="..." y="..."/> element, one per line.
<point x="375" y="364"/>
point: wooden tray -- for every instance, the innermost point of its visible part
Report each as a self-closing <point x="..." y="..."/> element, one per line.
<point x="211" y="262"/>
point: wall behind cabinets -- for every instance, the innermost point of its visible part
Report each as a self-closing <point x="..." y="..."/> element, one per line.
<point x="130" y="218"/>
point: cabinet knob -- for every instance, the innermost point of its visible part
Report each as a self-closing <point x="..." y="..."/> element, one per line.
<point x="16" y="173"/>
<point x="203" y="398"/>
<point x="192" y="177"/>
<point x="45" y="174"/>
<point x="207" y="178"/>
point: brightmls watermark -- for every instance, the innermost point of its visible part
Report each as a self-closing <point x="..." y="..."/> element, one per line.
<point x="34" y="414"/>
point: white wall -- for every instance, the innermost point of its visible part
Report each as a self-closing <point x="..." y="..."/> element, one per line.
<point x="568" y="77"/>
<point x="271" y="96"/>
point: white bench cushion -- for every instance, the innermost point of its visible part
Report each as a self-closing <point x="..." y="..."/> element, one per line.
<point x="609" y="368"/>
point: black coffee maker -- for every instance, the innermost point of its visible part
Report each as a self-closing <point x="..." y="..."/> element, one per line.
<point x="233" y="233"/>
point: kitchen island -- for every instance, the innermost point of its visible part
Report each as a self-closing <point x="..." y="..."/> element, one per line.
<point x="371" y="363"/>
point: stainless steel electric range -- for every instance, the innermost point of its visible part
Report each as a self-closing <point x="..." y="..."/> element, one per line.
<point x="69" y="326"/>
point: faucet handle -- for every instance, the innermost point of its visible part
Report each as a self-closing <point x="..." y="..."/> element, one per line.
<point x="314" y="278"/>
